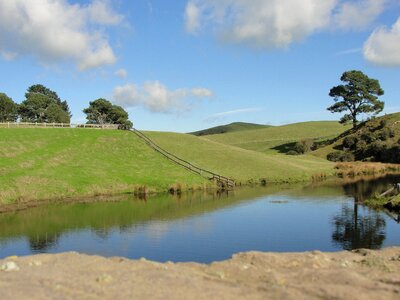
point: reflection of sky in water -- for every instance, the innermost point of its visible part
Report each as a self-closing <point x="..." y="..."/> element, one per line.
<point x="267" y="223"/>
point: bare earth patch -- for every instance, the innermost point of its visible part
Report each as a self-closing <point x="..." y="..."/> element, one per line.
<point x="362" y="274"/>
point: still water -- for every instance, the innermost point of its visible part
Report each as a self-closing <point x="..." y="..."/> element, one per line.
<point x="206" y="227"/>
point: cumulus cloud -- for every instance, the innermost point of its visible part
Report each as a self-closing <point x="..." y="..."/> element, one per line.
<point x="121" y="73"/>
<point x="359" y="14"/>
<point x="259" y="23"/>
<point x="383" y="46"/>
<point x="55" y="31"/>
<point x="278" y="23"/>
<point x="101" y="12"/>
<point x="156" y="97"/>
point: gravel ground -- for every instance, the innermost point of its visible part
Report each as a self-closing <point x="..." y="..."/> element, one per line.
<point x="361" y="274"/>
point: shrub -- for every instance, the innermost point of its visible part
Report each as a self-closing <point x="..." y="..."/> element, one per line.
<point x="342" y="156"/>
<point x="350" y="142"/>
<point x="304" y="146"/>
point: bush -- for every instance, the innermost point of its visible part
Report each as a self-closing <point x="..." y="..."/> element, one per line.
<point x="350" y="142"/>
<point x="341" y="156"/>
<point x="304" y="146"/>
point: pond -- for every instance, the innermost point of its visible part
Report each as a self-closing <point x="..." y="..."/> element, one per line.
<point x="208" y="226"/>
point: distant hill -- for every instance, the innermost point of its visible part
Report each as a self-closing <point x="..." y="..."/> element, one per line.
<point x="279" y="139"/>
<point x="233" y="127"/>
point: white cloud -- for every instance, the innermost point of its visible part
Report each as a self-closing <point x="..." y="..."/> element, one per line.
<point x="263" y="24"/>
<point x="349" y="51"/>
<point x="358" y="14"/>
<point x="192" y="15"/>
<point x="221" y="115"/>
<point x="202" y="92"/>
<point x="121" y="73"/>
<point x="156" y="97"/>
<point x="101" y="12"/>
<point x="383" y="46"/>
<point x="55" y="31"/>
<point x="278" y="23"/>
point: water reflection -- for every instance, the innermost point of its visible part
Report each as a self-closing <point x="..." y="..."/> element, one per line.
<point x="353" y="229"/>
<point x="43" y="243"/>
<point x="206" y="226"/>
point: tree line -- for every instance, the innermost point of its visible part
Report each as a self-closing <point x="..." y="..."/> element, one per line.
<point x="42" y="105"/>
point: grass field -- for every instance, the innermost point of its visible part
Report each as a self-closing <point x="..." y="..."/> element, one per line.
<point x="241" y="164"/>
<point x="233" y="127"/>
<point x="48" y="163"/>
<point x="278" y="139"/>
<point x="56" y="163"/>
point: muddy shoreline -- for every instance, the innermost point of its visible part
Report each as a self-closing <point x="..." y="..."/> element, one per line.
<point x="360" y="274"/>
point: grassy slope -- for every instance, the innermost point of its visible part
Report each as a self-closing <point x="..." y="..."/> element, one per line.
<point x="238" y="163"/>
<point x="273" y="139"/>
<point x="393" y="122"/>
<point x="233" y="127"/>
<point x="45" y="163"/>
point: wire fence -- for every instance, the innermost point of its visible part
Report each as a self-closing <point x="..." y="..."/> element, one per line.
<point x="57" y="125"/>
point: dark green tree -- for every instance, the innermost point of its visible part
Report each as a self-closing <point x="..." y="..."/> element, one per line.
<point x="358" y="95"/>
<point x="43" y="105"/>
<point x="102" y="111"/>
<point x="56" y="114"/>
<point x="8" y="109"/>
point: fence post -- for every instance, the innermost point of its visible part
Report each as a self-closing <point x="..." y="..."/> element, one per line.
<point x="8" y="124"/>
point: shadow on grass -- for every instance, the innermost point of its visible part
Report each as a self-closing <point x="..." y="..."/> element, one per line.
<point x="284" y="148"/>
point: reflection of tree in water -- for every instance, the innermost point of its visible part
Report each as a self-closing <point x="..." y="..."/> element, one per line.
<point x="354" y="231"/>
<point x="364" y="189"/>
<point x="42" y="243"/>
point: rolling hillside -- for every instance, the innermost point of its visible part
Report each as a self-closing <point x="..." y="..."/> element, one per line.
<point x="279" y="139"/>
<point x="239" y="163"/>
<point x="40" y="163"/>
<point x="373" y="136"/>
<point x="52" y="163"/>
<point x="233" y="127"/>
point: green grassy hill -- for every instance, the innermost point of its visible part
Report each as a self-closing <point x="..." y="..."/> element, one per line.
<point x="239" y="163"/>
<point x="56" y="163"/>
<point x="370" y="140"/>
<point x="52" y="163"/>
<point x="233" y="127"/>
<point x="279" y="139"/>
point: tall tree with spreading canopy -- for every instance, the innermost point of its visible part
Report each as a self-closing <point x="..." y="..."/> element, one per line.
<point x="8" y="109"/>
<point x="358" y="95"/>
<point x="102" y="111"/>
<point x="44" y="106"/>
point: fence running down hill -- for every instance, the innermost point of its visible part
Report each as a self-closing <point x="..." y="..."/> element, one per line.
<point x="223" y="181"/>
<point x="57" y="125"/>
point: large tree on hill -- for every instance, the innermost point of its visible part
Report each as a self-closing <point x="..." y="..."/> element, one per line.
<point x="8" y="109"/>
<point x="43" y="105"/>
<point x="102" y="111"/>
<point x="358" y="95"/>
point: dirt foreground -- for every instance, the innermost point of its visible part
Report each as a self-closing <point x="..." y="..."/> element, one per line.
<point x="362" y="274"/>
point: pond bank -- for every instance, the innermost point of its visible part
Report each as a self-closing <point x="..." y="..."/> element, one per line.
<point x="361" y="274"/>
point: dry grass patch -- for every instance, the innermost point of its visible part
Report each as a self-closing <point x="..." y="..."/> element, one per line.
<point x="354" y="169"/>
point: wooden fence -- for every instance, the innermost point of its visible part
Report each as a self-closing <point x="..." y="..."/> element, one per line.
<point x="223" y="181"/>
<point x="57" y="125"/>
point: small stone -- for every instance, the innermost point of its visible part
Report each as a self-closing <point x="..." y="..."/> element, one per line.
<point x="105" y="278"/>
<point x="35" y="263"/>
<point x="9" y="266"/>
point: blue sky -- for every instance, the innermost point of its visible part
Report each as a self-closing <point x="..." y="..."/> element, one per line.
<point x="190" y="64"/>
